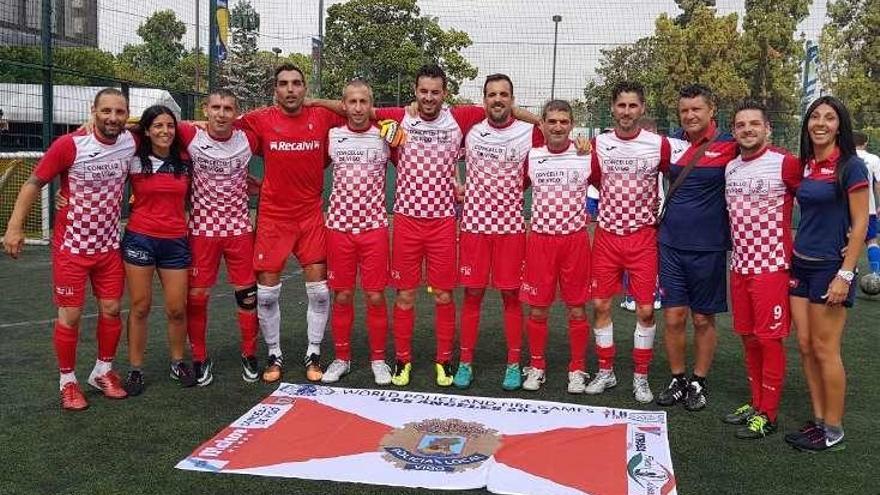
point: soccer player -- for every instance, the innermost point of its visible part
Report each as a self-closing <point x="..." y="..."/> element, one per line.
<point x="424" y="216"/>
<point x="357" y="232"/>
<point x="492" y="239"/>
<point x="625" y="167"/>
<point x="872" y="161"/>
<point x="833" y="198"/>
<point x="155" y="242"/>
<point x="693" y="241"/>
<point x="760" y="187"/>
<point x="220" y="227"/>
<point x="93" y="167"/>
<point x="292" y="139"/>
<point x="558" y="246"/>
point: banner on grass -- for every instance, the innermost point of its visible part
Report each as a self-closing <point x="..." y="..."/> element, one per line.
<point x="398" y="438"/>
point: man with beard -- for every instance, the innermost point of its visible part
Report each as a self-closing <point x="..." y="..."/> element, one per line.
<point x="492" y="239"/>
<point x="292" y="140"/>
<point x="93" y="167"/>
<point x="625" y="167"/>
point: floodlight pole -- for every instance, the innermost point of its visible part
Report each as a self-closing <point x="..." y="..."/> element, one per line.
<point x="556" y="20"/>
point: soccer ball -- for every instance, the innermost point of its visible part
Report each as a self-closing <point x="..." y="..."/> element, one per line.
<point x="870" y="284"/>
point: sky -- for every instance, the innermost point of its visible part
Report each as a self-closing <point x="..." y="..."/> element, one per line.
<point x="511" y="36"/>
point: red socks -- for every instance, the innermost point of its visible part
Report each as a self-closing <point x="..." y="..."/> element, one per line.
<point x="537" y="330"/>
<point x="109" y="330"/>
<point x="65" y="339"/>
<point x="341" y="321"/>
<point x="444" y="324"/>
<point x="404" y="322"/>
<point x="197" y="325"/>
<point x="470" y="325"/>
<point x="754" y="366"/>
<point x="513" y="326"/>
<point x="249" y="327"/>
<point x="642" y="360"/>
<point x="578" y="332"/>
<point x="772" y="376"/>
<point x="377" y="330"/>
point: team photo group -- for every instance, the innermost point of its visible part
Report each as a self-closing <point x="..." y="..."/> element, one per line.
<point x="680" y="219"/>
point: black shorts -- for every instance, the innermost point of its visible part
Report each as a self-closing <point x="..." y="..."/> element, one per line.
<point x="146" y="250"/>
<point x="810" y="279"/>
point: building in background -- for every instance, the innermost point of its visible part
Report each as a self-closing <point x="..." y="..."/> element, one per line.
<point x="74" y="22"/>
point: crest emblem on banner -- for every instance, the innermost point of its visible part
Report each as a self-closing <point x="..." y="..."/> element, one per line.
<point x="440" y="445"/>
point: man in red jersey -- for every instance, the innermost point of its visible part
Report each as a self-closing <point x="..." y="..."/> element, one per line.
<point x="93" y="167"/>
<point x="292" y="140"/>
<point x="220" y="226"/>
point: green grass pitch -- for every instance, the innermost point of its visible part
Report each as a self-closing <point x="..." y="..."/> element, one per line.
<point x="131" y="446"/>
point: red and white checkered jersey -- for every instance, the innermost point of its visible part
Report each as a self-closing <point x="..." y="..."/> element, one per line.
<point x="559" y="190"/>
<point x="357" y="199"/>
<point x="495" y="177"/>
<point x="93" y="174"/>
<point x="219" y="182"/>
<point x="427" y="160"/>
<point x="625" y="170"/>
<point x="759" y="191"/>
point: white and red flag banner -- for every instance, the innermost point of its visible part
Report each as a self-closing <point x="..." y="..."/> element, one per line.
<point x="414" y="439"/>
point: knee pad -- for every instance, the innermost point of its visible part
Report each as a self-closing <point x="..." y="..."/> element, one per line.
<point x="247" y="298"/>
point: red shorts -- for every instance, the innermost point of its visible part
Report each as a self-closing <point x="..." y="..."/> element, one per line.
<point x="635" y="253"/>
<point x="276" y="239"/>
<point x="552" y="259"/>
<point x="501" y="255"/>
<point x="237" y="251"/>
<point x="417" y="239"/>
<point x="349" y="253"/>
<point x="761" y="304"/>
<point x="70" y="271"/>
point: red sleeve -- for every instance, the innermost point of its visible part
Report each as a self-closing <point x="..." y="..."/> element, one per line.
<point x="390" y="113"/>
<point x="58" y="158"/>
<point x="537" y="137"/>
<point x="331" y="119"/>
<point x="792" y="173"/>
<point x="468" y="116"/>
<point x="595" y="169"/>
<point x="665" y="155"/>
<point x="187" y="133"/>
<point x="250" y="123"/>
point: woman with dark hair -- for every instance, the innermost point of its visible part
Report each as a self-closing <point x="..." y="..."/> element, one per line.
<point x="156" y="240"/>
<point x="833" y="199"/>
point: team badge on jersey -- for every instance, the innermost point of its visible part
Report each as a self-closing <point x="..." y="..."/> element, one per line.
<point x="440" y="445"/>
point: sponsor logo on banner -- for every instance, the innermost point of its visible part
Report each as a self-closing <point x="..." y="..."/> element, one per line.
<point x="649" y="474"/>
<point x="440" y="445"/>
<point x="307" y="390"/>
<point x="262" y="416"/>
<point x="206" y="464"/>
<point x="646" y="417"/>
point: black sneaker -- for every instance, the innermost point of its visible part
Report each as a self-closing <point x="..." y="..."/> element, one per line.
<point x="810" y="428"/>
<point x="758" y="426"/>
<point x="819" y="443"/>
<point x="134" y="383"/>
<point x="695" y="396"/>
<point x="312" y="363"/>
<point x="674" y="393"/>
<point x="203" y="372"/>
<point x="181" y="372"/>
<point x="740" y="416"/>
<point x="250" y="371"/>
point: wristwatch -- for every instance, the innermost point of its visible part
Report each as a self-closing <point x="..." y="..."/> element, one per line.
<point x="846" y="275"/>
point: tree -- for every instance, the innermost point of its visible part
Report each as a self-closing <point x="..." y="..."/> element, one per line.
<point x="79" y="65"/>
<point x="242" y="73"/>
<point x="771" y="54"/>
<point x="157" y="60"/>
<point x="385" y="42"/>
<point x="687" y="9"/>
<point x="849" y="57"/>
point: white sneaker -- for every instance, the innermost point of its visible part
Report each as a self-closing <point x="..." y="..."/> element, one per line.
<point x="337" y="369"/>
<point x="381" y="372"/>
<point x="603" y="380"/>
<point x="657" y="304"/>
<point x="577" y="381"/>
<point x="642" y="389"/>
<point x="630" y="305"/>
<point x="534" y="378"/>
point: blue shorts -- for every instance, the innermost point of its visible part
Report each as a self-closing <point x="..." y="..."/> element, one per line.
<point x="810" y="279"/>
<point x="593" y="207"/>
<point x="146" y="250"/>
<point x="872" y="228"/>
<point x="696" y="279"/>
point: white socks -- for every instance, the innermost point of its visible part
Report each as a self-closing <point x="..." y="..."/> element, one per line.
<point x="643" y="337"/>
<point x="317" y="314"/>
<point x="604" y="335"/>
<point x="65" y="378"/>
<point x="269" y="314"/>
